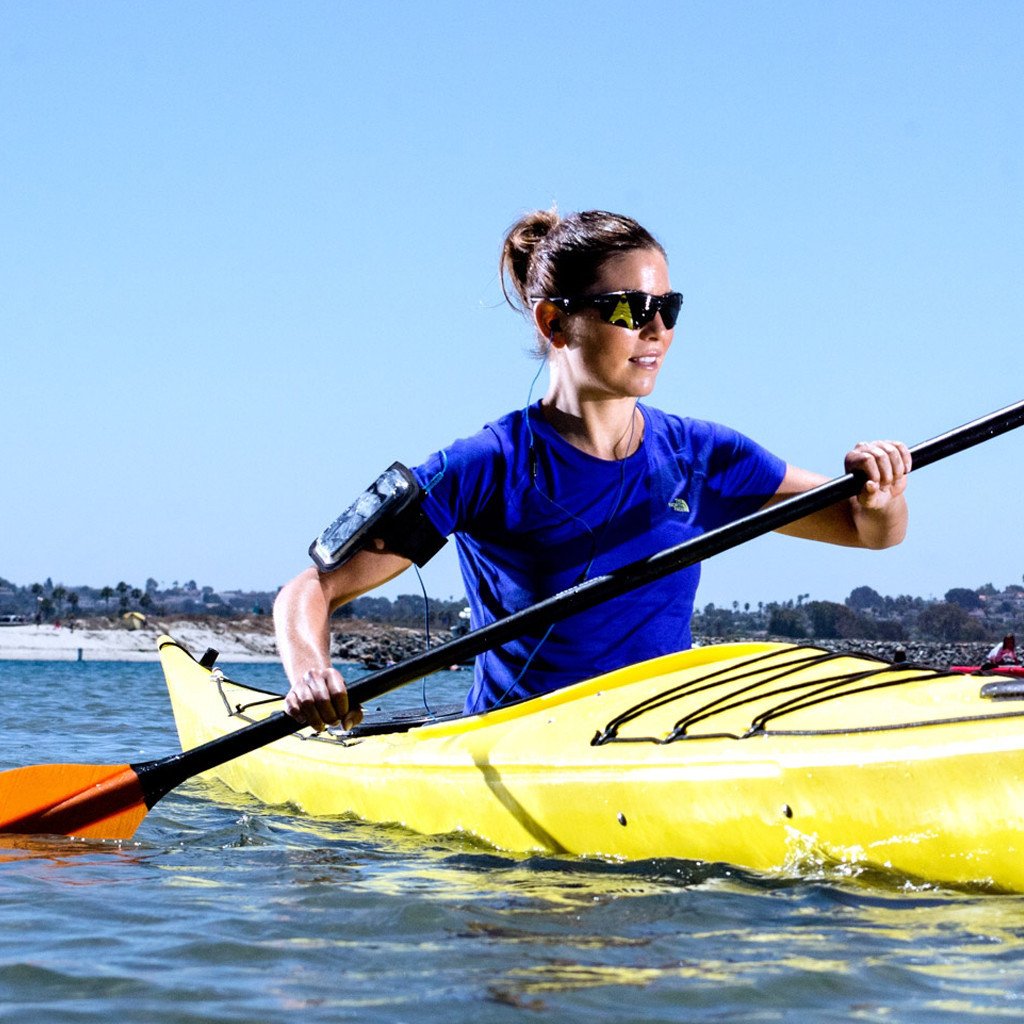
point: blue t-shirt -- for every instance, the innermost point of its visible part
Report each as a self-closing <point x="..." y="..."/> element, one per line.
<point x="532" y="515"/>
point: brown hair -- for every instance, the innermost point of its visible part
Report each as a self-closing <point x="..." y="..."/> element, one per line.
<point x="548" y="255"/>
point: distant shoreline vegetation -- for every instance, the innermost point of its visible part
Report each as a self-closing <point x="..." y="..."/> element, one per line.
<point x="964" y="613"/>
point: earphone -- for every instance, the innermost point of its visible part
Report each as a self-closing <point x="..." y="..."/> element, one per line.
<point x="595" y="537"/>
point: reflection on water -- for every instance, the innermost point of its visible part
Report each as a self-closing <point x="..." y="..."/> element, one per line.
<point x="222" y="909"/>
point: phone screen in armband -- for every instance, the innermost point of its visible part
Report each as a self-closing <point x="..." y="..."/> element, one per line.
<point x="366" y="518"/>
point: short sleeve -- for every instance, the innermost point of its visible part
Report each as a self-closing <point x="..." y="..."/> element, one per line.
<point x="459" y="481"/>
<point x="741" y="475"/>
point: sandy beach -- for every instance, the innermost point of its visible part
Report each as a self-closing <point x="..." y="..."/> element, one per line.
<point x="241" y="640"/>
<point x="235" y="639"/>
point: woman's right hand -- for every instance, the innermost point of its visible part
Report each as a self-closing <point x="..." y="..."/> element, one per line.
<point x="302" y="612"/>
<point x="319" y="699"/>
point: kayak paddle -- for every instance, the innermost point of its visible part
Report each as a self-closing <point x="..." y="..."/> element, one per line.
<point x="111" y="801"/>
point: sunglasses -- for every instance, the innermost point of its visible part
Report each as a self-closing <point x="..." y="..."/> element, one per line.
<point x="630" y="309"/>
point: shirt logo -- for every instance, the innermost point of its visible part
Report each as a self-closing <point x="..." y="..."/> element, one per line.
<point x="678" y="505"/>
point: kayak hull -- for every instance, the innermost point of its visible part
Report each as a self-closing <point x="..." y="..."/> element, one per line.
<point x="774" y="757"/>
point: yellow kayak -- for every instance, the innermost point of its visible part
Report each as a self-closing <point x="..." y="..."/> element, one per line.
<point x="774" y="757"/>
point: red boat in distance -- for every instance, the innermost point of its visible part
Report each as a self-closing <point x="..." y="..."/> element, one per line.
<point x="1001" y="660"/>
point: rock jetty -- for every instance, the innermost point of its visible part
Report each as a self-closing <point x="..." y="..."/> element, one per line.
<point x="375" y="645"/>
<point x="922" y="652"/>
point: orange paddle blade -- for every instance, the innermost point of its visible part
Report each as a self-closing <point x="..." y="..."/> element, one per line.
<point x="99" y="801"/>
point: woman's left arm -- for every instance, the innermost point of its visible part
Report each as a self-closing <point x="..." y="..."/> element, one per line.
<point x="875" y="518"/>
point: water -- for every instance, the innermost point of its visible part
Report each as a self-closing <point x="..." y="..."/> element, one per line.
<point x="225" y="910"/>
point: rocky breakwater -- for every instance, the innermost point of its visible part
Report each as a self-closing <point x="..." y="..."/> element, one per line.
<point x="375" y="645"/>
<point x="920" y="652"/>
<point x="936" y="654"/>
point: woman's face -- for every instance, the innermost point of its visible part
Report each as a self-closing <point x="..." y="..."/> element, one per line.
<point x="604" y="361"/>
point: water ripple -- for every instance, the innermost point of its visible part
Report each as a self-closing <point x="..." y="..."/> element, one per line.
<point x="225" y="910"/>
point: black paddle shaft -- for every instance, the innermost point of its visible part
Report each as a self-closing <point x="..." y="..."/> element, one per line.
<point x="630" y="577"/>
<point x="576" y="599"/>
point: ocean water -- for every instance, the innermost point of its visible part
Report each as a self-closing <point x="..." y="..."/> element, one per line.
<point x="222" y="909"/>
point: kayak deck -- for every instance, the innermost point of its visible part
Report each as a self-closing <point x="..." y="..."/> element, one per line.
<point x="770" y="756"/>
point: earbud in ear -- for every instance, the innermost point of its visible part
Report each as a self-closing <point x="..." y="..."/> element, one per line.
<point x="553" y="328"/>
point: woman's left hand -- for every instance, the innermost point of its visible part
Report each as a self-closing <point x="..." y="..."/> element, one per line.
<point x="886" y="465"/>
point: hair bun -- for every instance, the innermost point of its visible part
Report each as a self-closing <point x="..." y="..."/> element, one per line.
<point x="521" y="242"/>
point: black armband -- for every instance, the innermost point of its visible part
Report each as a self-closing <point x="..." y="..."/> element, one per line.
<point x="389" y="510"/>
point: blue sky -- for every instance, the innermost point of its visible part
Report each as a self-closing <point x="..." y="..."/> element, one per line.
<point x="249" y="259"/>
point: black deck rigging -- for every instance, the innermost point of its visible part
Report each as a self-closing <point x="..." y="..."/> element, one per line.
<point x="791" y="695"/>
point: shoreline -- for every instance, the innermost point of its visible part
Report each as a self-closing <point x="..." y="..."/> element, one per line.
<point x="252" y="640"/>
<point x="236" y="640"/>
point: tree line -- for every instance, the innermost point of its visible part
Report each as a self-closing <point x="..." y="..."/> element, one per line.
<point x="49" y="601"/>
<point x="963" y="614"/>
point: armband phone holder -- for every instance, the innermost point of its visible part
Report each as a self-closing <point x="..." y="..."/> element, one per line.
<point x="388" y="510"/>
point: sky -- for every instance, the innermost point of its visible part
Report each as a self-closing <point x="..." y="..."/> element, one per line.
<point x="249" y="259"/>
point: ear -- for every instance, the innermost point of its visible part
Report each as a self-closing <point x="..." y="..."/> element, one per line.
<point x="546" y="319"/>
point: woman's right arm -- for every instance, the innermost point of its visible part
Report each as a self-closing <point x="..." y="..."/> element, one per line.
<point x="302" y="613"/>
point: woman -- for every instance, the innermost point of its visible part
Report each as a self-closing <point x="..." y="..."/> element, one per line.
<point x="581" y="482"/>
